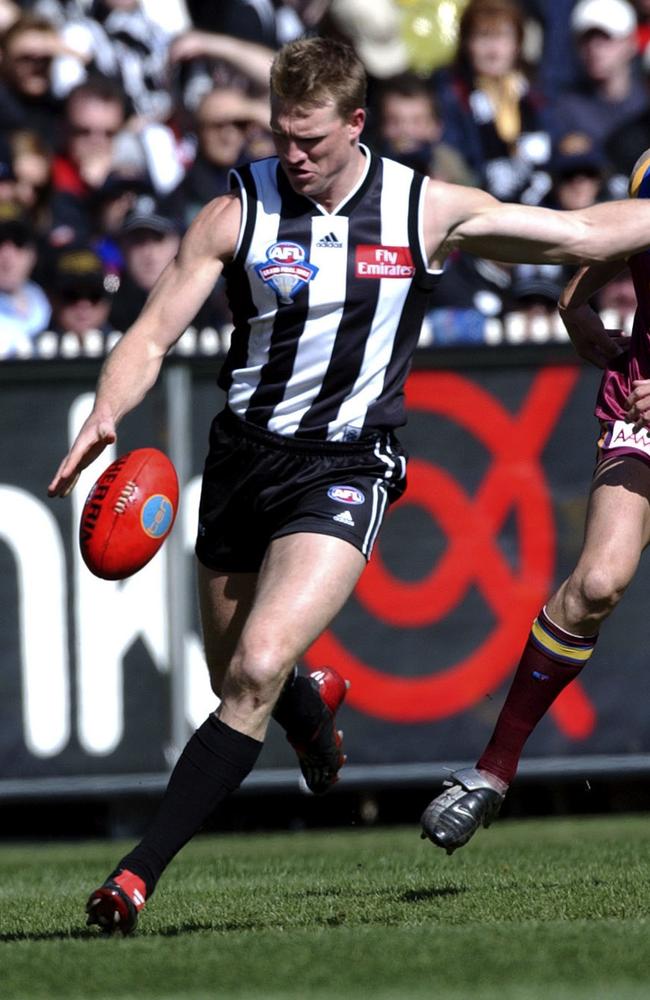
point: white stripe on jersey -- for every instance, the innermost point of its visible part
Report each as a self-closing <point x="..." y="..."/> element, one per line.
<point x="395" y="193"/>
<point x="423" y="244"/>
<point x="319" y="335"/>
<point x="265" y="233"/>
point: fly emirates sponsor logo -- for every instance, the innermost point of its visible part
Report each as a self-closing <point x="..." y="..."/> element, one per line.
<point x="374" y="261"/>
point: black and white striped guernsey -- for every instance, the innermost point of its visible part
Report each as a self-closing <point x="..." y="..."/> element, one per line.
<point x="327" y="307"/>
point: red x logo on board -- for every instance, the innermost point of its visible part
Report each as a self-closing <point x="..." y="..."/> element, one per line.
<point x="515" y="482"/>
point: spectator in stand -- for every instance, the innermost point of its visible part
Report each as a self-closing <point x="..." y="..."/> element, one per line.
<point x="203" y="60"/>
<point x="491" y="115"/>
<point x="270" y="23"/>
<point x="149" y="239"/>
<point x="24" y="308"/>
<point x="474" y="291"/>
<point x="122" y="42"/>
<point x="409" y="130"/>
<point x="223" y="123"/>
<point x="578" y="170"/>
<point x="557" y="66"/>
<point x="109" y="207"/>
<point x="7" y="172"/>
<point x="32" y="164"/>
<point x="532" y="314"/>
<point x="613" y="92"/>
<point x="75" y="283"/>
<point x="27" y="49"/>
<point x="94" y="116"/>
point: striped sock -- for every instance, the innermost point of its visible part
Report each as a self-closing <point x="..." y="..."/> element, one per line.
<point x="551" y="659"/>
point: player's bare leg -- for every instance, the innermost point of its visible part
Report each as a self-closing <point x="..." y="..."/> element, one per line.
<point x="225" y="601"/>
<point x="304" y="581"/>
<point x="307" y="705"/>
<point x="617" y="530"/>
<point x="563" y="636"/>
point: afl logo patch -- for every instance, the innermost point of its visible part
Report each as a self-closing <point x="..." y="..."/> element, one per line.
<point x="157" y="516"/>
<point x="346" y="494"/>
<point x="286" y="270"/>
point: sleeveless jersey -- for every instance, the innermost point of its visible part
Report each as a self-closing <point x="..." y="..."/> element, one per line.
<point x="327" y="307"/>
<point x="634" y="363"/>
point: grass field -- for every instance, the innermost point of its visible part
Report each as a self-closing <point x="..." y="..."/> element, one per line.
<point x="556" y="909"/>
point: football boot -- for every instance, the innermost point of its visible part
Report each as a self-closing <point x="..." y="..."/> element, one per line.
<point x="471" y="799"/>
<point x="115" y="906"/>
<point x="320" y="752"/>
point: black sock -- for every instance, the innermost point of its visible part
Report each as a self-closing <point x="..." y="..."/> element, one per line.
<point x="213" y="764"/>
<point x="299" y="709"/>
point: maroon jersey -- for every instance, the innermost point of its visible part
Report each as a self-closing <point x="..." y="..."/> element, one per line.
<point x="634" y="363"/>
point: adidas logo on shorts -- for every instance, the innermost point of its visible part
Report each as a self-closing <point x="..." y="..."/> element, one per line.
<point x="329" y="241"/>
<point x="345" y="517"/>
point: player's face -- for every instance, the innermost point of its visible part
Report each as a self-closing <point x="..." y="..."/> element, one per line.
<point x="316" y="146"/>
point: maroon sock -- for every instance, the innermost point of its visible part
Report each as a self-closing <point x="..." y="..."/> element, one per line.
<point x="552" y="658"/>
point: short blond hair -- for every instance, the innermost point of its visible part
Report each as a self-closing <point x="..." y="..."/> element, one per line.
<point x="311" y="71"/>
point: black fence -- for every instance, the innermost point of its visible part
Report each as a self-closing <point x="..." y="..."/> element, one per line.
<point x="102" y="682"/>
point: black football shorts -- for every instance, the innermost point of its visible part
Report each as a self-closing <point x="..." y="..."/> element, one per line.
<point x="258" y="486"/>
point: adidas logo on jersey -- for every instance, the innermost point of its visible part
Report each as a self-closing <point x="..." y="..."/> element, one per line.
<point x="345" y="517"/>
<point x="329" y="241"/>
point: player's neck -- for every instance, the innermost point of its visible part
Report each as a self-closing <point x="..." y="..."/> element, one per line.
<point x="344" y="182"/>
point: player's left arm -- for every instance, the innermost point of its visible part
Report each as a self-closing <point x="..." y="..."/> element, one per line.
<point x="471" y="220"/>
<point x="588" y="335"/>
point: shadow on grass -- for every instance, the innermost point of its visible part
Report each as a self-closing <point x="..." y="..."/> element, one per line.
<point x="230" y="926"/>
<point x="12" y="936"/>
<point x="92" y="934"/>
<point x="422" y="895"/>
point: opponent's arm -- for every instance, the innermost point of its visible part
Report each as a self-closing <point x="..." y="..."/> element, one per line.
<point x="132" y="367"/>
<point x="468" y="219"/>
<point x="583" y="324"/>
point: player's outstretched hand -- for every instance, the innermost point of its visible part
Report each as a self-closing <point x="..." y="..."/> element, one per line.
<point x="91" y="440"/>
<point x="638" y="403"/>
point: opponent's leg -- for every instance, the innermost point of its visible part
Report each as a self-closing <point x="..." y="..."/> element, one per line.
<point x="303" y="583"/>
<point x="561" y="641"/>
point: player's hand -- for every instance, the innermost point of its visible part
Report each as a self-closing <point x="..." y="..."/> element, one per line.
<point x="93" y="437"/>
<point x="638" y="403"/>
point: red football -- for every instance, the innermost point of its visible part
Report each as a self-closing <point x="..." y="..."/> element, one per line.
<point x="128" y="513"/>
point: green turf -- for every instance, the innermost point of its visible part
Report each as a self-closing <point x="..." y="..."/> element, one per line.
<point x="557" y="910"/>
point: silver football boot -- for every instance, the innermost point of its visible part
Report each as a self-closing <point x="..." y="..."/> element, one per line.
<point x="471" y="799"/>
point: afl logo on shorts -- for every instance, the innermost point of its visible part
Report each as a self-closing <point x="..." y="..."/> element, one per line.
<point x="346" y="494"/>
<point x="157" y="516"/>
<point x="286" y="270"/>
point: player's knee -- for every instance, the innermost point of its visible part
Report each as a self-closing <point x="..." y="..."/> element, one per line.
<point x="258" y="671"/>
<point x="597" y="590"/>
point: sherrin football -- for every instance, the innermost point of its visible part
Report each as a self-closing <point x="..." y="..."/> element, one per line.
<point x="128" y="513"/>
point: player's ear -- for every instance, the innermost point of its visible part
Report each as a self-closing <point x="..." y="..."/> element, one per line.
<point x="356" y="121"/>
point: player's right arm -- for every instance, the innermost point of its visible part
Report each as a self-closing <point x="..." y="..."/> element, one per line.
<point x="132" y="367"/>
<point x="583" y="324"/>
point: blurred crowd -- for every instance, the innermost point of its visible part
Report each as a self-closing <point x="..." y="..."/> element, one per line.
<point x="119" y="119"/>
